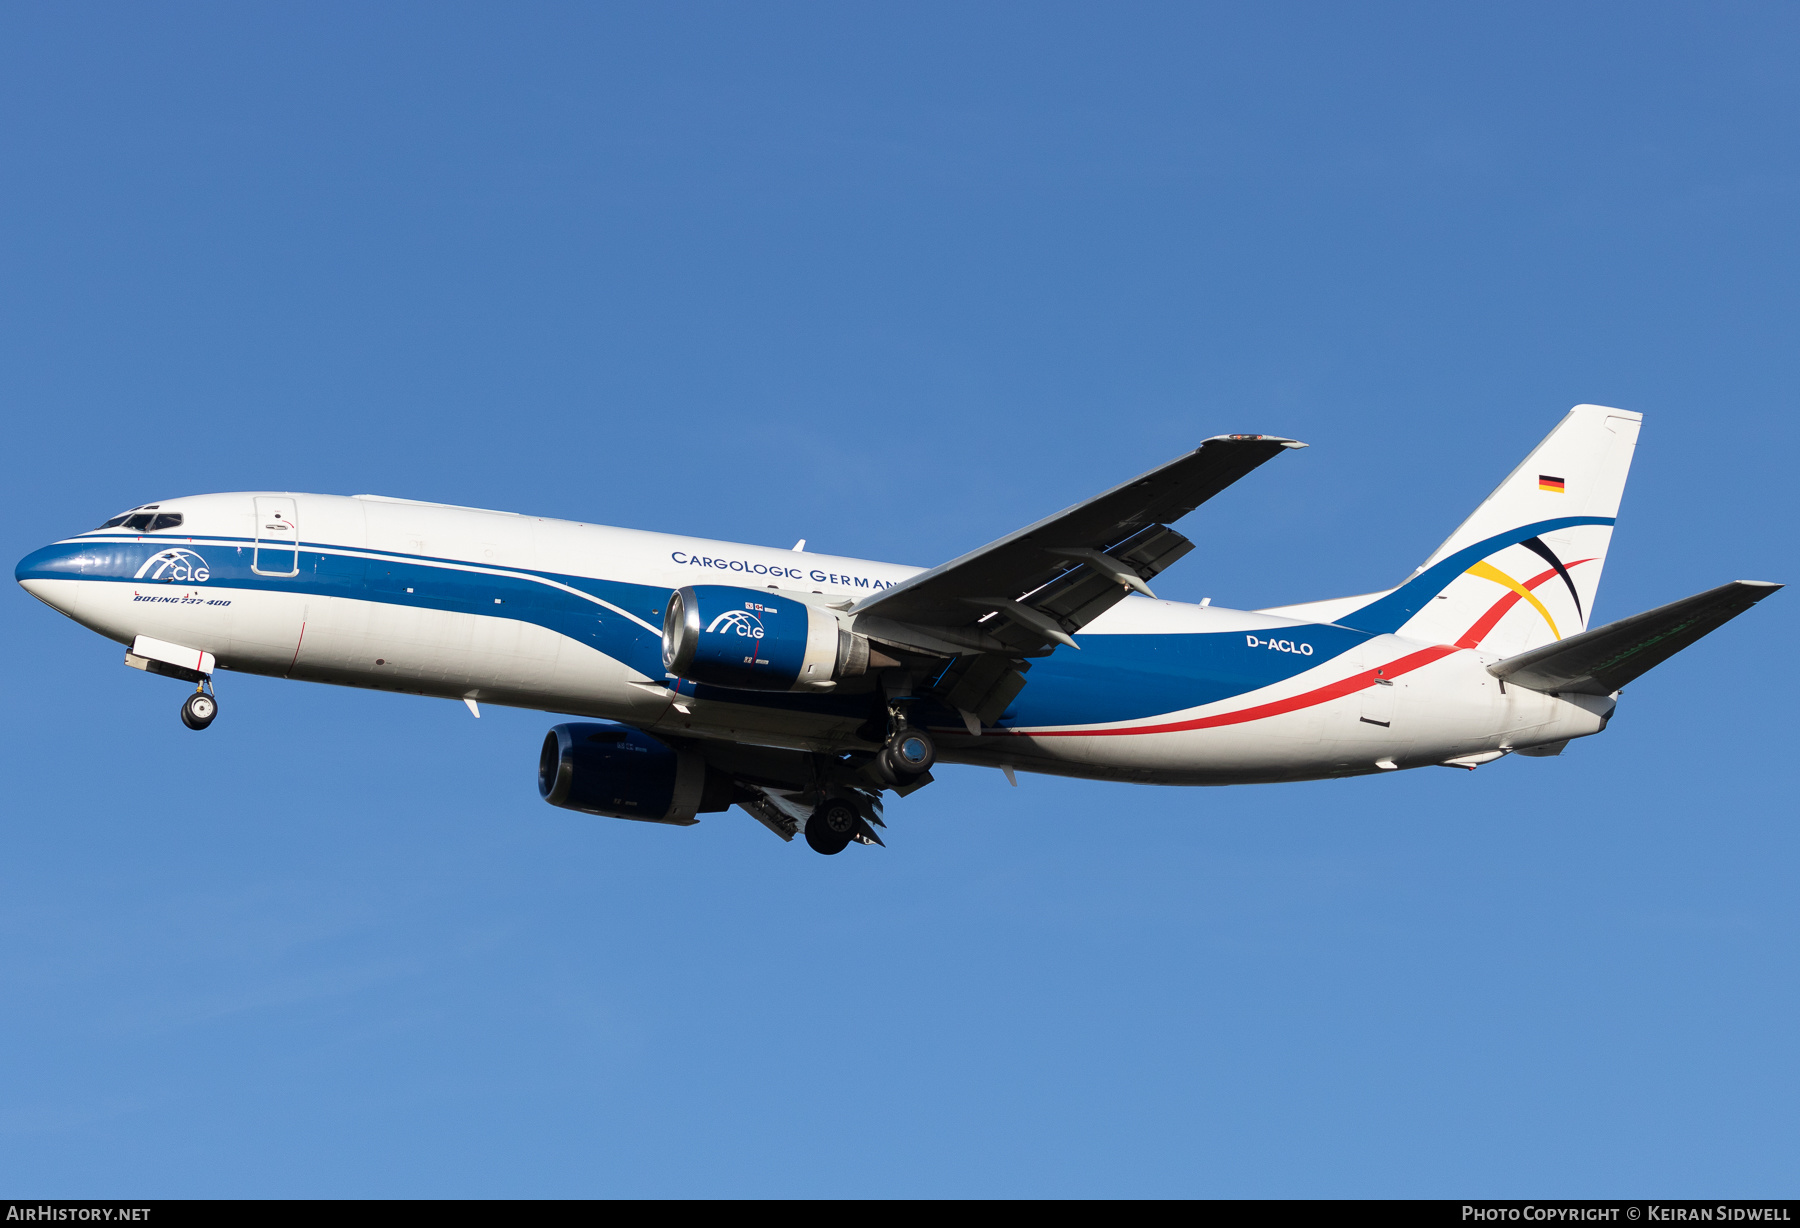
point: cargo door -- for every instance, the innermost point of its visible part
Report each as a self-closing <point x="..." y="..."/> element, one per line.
<point x="277" y="551"/>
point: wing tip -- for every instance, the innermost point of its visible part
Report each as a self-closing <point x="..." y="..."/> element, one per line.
<point x="1282" y="440"/>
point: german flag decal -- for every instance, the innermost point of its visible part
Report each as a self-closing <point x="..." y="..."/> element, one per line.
<point x="1553" y="485"/>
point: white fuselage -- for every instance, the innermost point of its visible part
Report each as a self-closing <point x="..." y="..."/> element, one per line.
<point x="565" y="617"/>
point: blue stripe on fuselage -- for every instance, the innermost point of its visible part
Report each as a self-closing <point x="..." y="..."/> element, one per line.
<point x="1113" y="677"/>
<point x="367" y="575"/>
<point x="1129" y="677"/>
<point x="1388" y="614"/>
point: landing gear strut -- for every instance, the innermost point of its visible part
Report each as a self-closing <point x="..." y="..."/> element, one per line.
<point x="832" y="826"/>
<point x="198" y="710"/>
<point x="903" y="764"/>
<point x="908" y="752"/>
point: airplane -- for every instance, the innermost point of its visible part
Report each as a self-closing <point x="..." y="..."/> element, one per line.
<point x="804" y="687"/>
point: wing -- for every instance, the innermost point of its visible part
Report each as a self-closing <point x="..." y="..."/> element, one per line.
<point x="1022" y="595"/>
<point x="1600" y="661"/>
<point x="1114" y="538"/>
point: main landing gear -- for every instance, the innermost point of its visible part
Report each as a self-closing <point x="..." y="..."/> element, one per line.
<point x="909" y="752"/>
<point x="903" y="764"/>
<point x="905" y="759"/>
<point x="199" y="709"/>
<point x="832" y="825"/>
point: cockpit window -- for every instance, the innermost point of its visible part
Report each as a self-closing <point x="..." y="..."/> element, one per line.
<point x="144" y="520"/>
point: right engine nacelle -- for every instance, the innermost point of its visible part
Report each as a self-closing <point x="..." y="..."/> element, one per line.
<point x="754" y="639"/>
<point x="622" y="773"/>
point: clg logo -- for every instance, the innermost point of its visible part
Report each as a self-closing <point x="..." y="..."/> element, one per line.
<point x="740" y="621"/>
<point x="178" y="566"/>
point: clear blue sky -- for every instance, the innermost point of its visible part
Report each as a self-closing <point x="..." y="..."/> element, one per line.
<point x="898" y="279"/>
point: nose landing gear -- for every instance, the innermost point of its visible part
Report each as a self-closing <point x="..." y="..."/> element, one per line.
<point x="179" y="661"/>
<point x="199" y="709"/>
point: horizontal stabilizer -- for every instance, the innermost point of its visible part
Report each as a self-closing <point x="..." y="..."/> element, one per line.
<point x="1600" y="661"/>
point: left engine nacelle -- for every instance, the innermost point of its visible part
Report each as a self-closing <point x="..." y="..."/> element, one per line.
<point x="754" y="639"/>
<point x="622" y="773"/>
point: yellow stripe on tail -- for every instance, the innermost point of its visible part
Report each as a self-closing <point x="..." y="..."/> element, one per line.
<point x="1488" y="571"/>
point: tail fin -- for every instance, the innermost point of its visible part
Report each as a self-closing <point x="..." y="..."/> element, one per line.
<point x="1522" y="571"/>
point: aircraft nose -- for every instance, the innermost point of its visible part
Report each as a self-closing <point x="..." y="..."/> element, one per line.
<point x="49" y="563"/>
<point x="32" y="565"/>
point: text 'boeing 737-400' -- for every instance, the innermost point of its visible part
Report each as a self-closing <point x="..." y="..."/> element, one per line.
<point x="803" y="687"/>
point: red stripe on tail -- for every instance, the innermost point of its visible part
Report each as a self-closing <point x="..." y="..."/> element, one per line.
<point x="1487" y="622"/>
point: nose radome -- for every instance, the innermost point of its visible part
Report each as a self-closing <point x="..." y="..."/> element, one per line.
<point x="34" y="566"/>
<point x="36" y="570"/>
<point x="33" y="570"/>
<point x="66" y="560"/>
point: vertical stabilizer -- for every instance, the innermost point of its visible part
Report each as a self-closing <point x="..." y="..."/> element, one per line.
<point x="1523" y="569"/>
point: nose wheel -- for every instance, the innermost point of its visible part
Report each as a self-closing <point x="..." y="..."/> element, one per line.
<point x="199" y="709"/>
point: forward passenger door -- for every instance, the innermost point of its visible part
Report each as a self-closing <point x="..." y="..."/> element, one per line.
<point x="277" y="549"/>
